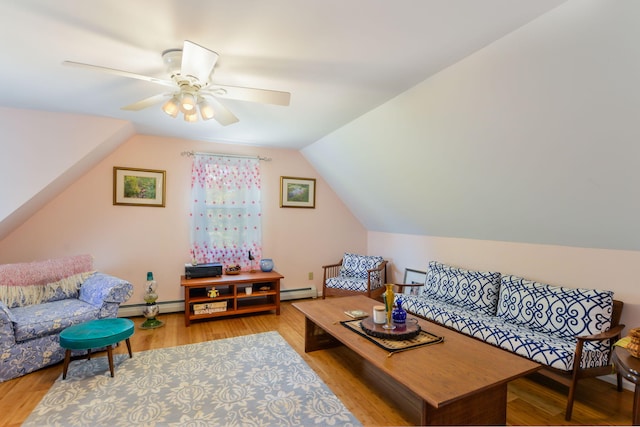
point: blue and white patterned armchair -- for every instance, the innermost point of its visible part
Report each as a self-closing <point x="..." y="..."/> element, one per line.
<point x="40" y="299"/>
<point x="355" y="275"/>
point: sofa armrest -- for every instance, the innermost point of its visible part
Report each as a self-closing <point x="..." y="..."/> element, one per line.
<point x="611" y="333"/>
<point x="7" y="334"/>
<point x="401" y="286"/>
<point x="102" y="288"/>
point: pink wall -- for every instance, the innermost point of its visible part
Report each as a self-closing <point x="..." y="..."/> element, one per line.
<point x="613" y="270"/>
<point x="129" y="241"/>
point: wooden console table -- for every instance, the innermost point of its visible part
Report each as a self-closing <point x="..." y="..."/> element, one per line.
<point x="232" y="297"/>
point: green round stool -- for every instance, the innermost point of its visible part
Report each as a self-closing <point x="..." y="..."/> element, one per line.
<point x="95" y="334"/>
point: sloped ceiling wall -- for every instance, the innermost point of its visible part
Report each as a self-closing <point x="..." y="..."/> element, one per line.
<point x="43" y="153"/>
<point x="533" y="139"/>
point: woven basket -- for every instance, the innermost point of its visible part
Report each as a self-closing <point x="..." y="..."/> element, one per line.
<point x="634" y="344"/>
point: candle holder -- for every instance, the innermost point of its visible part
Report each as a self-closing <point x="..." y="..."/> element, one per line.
<point x="388" y="297"/>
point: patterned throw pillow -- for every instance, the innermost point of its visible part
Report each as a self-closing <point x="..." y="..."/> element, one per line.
<point x="357" y="265"/>
<point x="69" y="287"/>
<point x="476" y="290"/>
<point x="556" y="310"/>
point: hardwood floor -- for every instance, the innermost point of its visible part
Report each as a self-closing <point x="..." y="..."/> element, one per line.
<point x="371" y="397"/>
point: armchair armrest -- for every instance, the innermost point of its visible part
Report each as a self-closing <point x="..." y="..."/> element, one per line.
<point x="331" y="270"/>
<point x="376" y="277"/>
<point x="7" y="334"/>
<point x="333" y="265"/>
<point x="102" y="288"/>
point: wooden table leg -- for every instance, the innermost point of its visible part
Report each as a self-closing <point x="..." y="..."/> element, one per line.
<point x="487" y="407"/>
<point x="636" y="406"/>
<point x="129" y="348"/>
<point x="110" y="357"/>
<point x="316" y="338"/>
<point x="67" y="358"/>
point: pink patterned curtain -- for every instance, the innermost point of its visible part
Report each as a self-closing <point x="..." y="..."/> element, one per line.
<point x="226" y="215"/>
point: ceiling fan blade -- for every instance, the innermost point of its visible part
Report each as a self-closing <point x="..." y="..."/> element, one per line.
<point x="197" y="61"/>
<point x="221" y="113"/>
<point x="147" y="102"/>
<point x="119" y="73"/>
<point x="251" y="94"/>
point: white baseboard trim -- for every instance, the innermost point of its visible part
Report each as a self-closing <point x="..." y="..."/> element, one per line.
<point x="136" y="309"/>
<point x="133" y="310"/>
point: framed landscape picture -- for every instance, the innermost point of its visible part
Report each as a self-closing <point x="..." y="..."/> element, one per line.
<point x="413" y="276"/>
<point x="138" y="187"/>
<point x="297" y="192"/>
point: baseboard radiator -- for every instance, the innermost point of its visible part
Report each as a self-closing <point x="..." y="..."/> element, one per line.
<point x="301" y="293"/>
<point x="133" y="310"/>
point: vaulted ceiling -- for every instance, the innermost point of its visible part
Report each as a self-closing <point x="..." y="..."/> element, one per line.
<point x="338" y="59"/>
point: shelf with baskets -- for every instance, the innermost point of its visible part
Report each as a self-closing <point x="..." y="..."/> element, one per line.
<point x="227" y="295"/>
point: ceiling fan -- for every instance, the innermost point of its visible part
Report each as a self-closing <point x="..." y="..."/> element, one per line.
<point x="190" y="70"/>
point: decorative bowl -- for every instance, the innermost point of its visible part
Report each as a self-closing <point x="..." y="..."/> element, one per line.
<point x="266" y="264"/>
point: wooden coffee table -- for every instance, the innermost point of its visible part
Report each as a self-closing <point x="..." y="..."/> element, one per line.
<point x="462" y="381"/>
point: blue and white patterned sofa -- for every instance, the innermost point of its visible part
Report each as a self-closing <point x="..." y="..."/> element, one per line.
<point x="40" y="299"/>
<point x="355" y="274"/>
<point x="552" y="325"/>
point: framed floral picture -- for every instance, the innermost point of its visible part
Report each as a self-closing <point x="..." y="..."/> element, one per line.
<point x="139" y="187"/>
<point x="297" y="192"/>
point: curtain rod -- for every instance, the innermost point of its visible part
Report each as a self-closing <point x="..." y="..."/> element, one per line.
<point x="193" y="153"/>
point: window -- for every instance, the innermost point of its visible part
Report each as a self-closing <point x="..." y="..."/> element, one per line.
<point x="226" y="213"/>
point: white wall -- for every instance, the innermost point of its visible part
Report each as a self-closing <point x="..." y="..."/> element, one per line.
<point x="531" y="139"/>
<point x="129" y="241"/>
<point x="68" y="145"/>
<point x="613" y="270"/>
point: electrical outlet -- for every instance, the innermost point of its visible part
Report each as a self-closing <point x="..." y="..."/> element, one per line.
<point x="311" y="275"/>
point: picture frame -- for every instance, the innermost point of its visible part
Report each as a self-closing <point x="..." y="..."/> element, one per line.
<point x="297" y="192"/>
<point x="139" y="187"/>
<point x="413" y="276"/>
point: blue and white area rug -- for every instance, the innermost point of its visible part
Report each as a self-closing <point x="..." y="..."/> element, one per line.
<point x="253" y="380"/>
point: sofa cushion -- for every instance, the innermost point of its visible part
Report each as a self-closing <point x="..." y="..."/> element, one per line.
<point x="358" y="265"/>
<point x="350" y="284"/>
<point x="40" y="320"/>
<point x="101" y="288"/>
<point x="476" y="290"/>
<point x="562" y="312"/>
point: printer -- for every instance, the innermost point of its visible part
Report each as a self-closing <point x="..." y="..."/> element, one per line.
<point x="202" y="270"/>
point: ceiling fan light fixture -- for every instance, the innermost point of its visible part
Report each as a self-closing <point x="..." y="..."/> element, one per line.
<point x="191" y="117"/>
<point x="188" y="102"/>
<point x="171" y="107"/>
<point x="172" y="59"/>
<point x="206" y="110"/>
